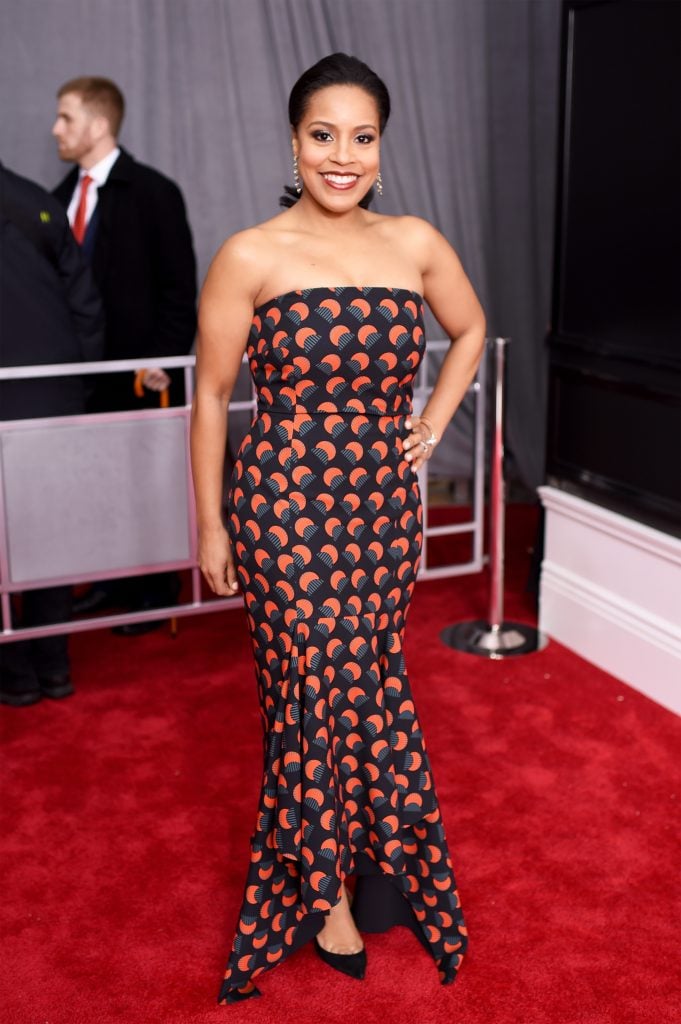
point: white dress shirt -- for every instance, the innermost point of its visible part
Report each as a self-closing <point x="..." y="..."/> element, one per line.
<point x="99" y="174"/>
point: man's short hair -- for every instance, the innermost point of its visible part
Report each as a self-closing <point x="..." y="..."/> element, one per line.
<point x="102" y="96"/>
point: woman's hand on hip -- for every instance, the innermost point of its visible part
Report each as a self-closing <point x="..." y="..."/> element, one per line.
<point x="419" y="442"/>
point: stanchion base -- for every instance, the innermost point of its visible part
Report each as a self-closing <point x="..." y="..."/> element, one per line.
<point x="505" y="641"/>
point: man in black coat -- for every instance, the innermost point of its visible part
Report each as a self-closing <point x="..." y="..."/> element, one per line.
<point x="135" y="234"/>
<point x="50" y="312"/>
<point x="132" y="225"/>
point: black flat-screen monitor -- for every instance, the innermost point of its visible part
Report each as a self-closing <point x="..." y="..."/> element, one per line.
<point x="618" y="259"/>
<point x="614" y="430"/>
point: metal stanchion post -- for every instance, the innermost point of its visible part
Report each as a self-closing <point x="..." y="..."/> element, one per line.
<point x="495" y="638"/>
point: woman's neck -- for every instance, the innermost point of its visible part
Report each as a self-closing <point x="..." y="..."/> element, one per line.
<point x="311" y="216"/>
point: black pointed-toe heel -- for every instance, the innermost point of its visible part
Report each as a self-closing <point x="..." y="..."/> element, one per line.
<point x="352" y="964"/>
<point x="235" y="996"/>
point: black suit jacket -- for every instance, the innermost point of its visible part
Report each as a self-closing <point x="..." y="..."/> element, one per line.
<point x="50" y="311"/>
<point x="140" y="246"/>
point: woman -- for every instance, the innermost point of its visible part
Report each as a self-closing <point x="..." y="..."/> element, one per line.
<point x="324" y="534"/>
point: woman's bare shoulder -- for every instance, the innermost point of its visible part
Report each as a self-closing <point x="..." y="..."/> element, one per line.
<point x="258" y="244"/>
<point x="242" y="247"/>
<point x="245" y="255"/>
<point x="416" y="238"/>
<point x="410" y="228"/>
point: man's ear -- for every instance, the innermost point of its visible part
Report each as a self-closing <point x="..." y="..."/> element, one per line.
<point x="100" y="126"/>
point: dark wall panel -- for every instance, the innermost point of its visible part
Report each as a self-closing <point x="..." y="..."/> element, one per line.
<point x="614" y="429"/>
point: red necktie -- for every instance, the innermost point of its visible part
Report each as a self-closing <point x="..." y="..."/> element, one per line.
<point x="79" y="222"/>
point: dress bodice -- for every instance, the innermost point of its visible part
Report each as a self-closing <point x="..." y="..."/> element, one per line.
<point x="337" y="350"/>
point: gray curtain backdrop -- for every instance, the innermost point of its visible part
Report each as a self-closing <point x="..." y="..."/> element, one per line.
<point x="471" y="144"/>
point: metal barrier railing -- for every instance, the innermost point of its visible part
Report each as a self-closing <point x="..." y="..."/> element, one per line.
<point x="475" y="525"/>
<point x="198" y="603"/>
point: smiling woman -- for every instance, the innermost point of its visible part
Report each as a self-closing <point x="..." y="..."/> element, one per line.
<point x="338" y="69"/>
<point x="337" y="148"/>
<point x="324" y="535"/>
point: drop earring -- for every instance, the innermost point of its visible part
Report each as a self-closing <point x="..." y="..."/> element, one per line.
<point x="296" y="175"/>
<point x="379" y="184"/>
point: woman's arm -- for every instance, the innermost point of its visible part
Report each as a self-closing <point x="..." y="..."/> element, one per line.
<point x="450" y="295"/>
<point x="225" y="315"/>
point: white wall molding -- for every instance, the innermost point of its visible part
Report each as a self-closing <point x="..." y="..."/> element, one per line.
<point x="611" y="591"/>
<point x="611" y="606"/>
<point x="612" y="523"/>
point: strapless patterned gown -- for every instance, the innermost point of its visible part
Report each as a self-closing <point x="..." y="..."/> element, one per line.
<point x="325" y="522"/>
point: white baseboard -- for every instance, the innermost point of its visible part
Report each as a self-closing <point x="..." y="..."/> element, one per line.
<point x="611" y="591"/>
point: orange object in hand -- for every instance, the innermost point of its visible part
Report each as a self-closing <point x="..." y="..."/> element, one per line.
<point x="164" y="400"/>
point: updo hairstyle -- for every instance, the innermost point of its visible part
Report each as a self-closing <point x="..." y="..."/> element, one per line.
<point x="336" y="69"/>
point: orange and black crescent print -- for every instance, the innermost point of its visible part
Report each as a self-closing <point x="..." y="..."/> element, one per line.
<point x="326" y="525"/>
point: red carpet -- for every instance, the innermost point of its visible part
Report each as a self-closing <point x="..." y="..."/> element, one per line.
<point x="128" y="810"/>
